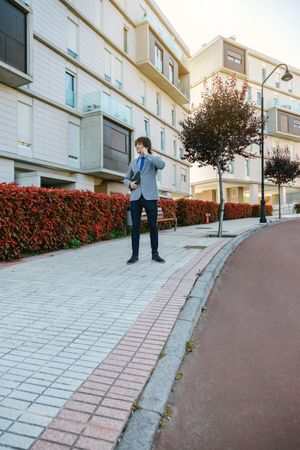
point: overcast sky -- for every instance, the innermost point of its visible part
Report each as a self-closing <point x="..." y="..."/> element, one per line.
<point x="271" y="27"/>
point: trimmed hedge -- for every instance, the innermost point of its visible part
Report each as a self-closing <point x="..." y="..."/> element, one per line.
<point x="39" y="219"/>
<point x="191" y="212"/>
<point x="256" y="210"/>
<point x="35" y="220"/>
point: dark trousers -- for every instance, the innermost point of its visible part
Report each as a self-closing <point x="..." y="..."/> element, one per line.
<point x="136" y="208"/>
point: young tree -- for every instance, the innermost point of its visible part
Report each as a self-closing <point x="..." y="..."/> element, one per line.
<point x="281" y="169"/>
<point x="223" y="126"/>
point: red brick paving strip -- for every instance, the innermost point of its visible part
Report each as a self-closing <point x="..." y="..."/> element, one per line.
<point x="94" y="416"/>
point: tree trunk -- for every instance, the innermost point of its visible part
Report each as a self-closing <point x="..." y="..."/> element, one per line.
<point x="279" y="201"/>
<point x="221" y="212"/>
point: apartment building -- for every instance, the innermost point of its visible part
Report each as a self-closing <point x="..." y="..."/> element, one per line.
<point x="242" y="182"/>
<point x="79" y="81"/>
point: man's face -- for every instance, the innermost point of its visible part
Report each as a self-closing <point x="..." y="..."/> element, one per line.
<point x="139" y="147"/>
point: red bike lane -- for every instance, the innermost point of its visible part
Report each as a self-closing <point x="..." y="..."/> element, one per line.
<point x="241" y="385"/>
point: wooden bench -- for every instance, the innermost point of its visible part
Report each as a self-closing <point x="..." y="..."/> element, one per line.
<point x="169" y="216"/>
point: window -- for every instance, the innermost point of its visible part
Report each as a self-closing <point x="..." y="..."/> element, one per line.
<point x="162" y="140"/>
<point x="276" y="100"/>
<point x="74" y="141"/>
<point x="296" y="124"/>
<point x="183" y="177"/>
<point x="263" y="74"/>
<point x="249" y="94"/>
<point x="173" y="115"/>
<point x="125" y="39"/>
<point x="13" y="35"/>
<point x="234" y="57"/>
<point x="107" y="65"/>
<point x="171" y="71"/>
<point x="158" y="104"/>
<point x="174" y="174"/>
<point x="175" y="148"/>
<point x="158" y="58"/>
<point x="118" y="69"/>
<point x="277" y="80"/>
<point x="230" y="167"/>
<point x="24" y="125"/>
<point x="142" y="92"/>
<point x="247" y="168"/>
<point x="181" y="152"/>
<point x="72" y="38"/>
<point x="146" y="127"/>
<point x="70" y="89"/>
<point x="258" y="98"/>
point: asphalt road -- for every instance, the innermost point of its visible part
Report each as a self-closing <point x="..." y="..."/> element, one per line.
<point x="241" y="385"/>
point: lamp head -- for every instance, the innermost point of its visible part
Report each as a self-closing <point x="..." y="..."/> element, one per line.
<point x="287" y="76"/>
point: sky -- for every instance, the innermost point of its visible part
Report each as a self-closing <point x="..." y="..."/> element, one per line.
<point x="271" y="27"/>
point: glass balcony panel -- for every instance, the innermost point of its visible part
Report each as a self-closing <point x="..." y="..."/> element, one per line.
<point x="100" y="101"/>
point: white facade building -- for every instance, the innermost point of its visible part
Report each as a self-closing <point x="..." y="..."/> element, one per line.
<point x="242" y="182"/>
<point x="79" y="81"/>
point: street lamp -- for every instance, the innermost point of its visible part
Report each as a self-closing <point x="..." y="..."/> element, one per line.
<point x="285" y="77"/>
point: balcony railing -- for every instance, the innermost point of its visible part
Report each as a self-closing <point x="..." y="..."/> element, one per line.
<point x="99" y="101"/>
<point x="165" y="36"/>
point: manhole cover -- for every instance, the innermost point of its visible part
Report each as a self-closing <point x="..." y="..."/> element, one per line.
<point x="194" y="247"/>
<point x="204" y="228"/>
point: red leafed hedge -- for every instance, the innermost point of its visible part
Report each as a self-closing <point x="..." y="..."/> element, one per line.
<point x="237" y="211"/>
<point x="38" y="219"/>
<point x="34" y="220"/>
<point x="191" y="212"/>
<point x="256" y="210"/>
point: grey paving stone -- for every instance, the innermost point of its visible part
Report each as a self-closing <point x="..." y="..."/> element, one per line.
<point x="26" y="429"/>
<point x="49" y="411"/>
<point x="5" y="423"/>
<point x="35" y="419"/>
<point x="21" y="395"/>
<point x="51" y="401"/>
<point x="16" y="441"/>
<point x="16" y="404"/>
<point x="8" y="413"/>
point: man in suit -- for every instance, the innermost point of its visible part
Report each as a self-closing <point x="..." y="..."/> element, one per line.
<point x="144" y="194"/>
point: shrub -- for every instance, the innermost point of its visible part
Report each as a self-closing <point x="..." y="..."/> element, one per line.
<point x="237" y="211"/>
<point x="35" y="220"/>
<point x="192" y="212"/>
<point x="297" y="208"/>
<point x="256" y="210"/>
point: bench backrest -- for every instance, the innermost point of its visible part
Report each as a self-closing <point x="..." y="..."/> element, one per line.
<point x="160" y="214"/>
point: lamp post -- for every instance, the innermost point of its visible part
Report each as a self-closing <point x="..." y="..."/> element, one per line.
<point x="285" y="77"/>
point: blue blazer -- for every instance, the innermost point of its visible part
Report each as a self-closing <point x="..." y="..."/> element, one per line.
<point x="148" y="184"/>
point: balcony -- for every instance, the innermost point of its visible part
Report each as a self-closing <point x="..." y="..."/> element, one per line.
<point x="179" y="91"/>
<point x="283" y="123"/>
<point x="166" y="38"/>
<point x="101" y="102"/>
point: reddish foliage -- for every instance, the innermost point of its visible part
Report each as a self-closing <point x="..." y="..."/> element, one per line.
<point x="192" y="212"/>
<point x="256" y="210"/>
<point x="38" y="219"/>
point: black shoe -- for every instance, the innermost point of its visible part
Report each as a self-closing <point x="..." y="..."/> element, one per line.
<point x="133" y="259"/>
<point x="157" y="258"/>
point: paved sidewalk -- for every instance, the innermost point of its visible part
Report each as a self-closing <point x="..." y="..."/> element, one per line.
<point x="240" y="388"/>
<point x="64" y="314"/>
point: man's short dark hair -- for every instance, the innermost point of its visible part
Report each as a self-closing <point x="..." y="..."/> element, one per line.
<point x="145" y="141"/>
